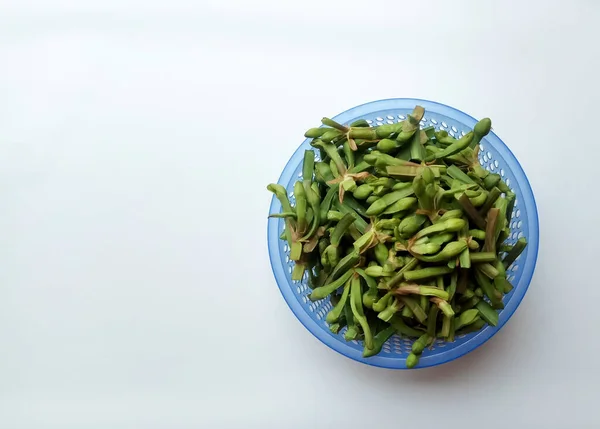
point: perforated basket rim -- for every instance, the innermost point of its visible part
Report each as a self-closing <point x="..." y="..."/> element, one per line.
<point x="527" y="199"/>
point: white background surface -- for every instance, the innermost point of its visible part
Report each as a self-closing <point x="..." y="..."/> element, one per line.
<point x="135" y="287"/>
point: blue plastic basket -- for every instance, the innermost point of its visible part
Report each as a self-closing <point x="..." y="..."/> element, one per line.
<point x="494" y="156"/>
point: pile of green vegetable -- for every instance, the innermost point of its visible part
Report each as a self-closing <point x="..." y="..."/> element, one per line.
<point x="403" y="229"/>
